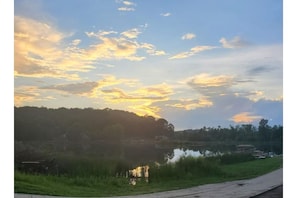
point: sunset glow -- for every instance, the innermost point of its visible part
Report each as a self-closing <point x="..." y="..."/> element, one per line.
<point x="194" y="63"/>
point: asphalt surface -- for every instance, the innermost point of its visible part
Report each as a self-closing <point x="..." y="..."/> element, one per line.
<point x="273" y="193"/>
<point x="256" y="187"/>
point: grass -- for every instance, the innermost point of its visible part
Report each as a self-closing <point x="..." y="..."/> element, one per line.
<point x="187" y="172"/>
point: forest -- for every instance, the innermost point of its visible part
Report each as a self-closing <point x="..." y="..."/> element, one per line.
<point x="76" y="125"/>
<point x="65" y="138"/>
<point x="239" y="133"/>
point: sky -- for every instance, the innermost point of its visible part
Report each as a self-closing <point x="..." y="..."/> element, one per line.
<point x="195" y="63"/>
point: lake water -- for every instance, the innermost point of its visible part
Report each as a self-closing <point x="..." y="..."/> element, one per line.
<point x="140" y="153"/>
<point x="178" y="153"/>
<point x="144" y="153"/>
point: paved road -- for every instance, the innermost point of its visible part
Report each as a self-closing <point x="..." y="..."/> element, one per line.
<point x="274" y="193"/>
<point x="234" y="189"/>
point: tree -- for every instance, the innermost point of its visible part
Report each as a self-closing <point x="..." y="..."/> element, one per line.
<point x="263" y="129"/>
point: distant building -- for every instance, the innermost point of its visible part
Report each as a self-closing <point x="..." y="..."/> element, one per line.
<point x="245" y="148"/>
<point x="250" y="149"/>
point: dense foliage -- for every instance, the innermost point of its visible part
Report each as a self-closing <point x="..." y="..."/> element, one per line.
<point x="78" y="125"/>
<point x="239" y="133"/>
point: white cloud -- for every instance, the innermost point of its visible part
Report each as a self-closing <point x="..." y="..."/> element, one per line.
<point x="76" y="42"/>
<point x="188" y="36"/>
<point x="165" y="14"/>
<point x="132" y="33"/>
<point x="151" y="49"/>
<point x="236" y="42"/>
<point x="128" y="3"/>
<point x="127" y="6"/>
<point x="192" y="52"/>
<point x="127" y="9"/>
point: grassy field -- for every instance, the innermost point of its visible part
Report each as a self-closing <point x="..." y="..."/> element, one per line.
<point x="185" y="173"/>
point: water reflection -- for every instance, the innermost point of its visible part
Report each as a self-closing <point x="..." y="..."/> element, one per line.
<point x="178" y="153"/>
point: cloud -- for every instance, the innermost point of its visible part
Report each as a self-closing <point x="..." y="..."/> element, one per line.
<point x="210" y="85"/>
<point x="255" y="69"/>
<point x="28" y="94"/>
<point x="116" y="95"/>
<point x="259" y="70"/>
<point x="158" y="90"/>
<point x="132" y="34"/>
<point x="151" y="93"/>
<point x="205" y="80"/>
<point x="225" y="110"/>
<point x="128" y="3"/>
<point x="245" y="117"/>
<point x="252" y="95"/>
<point x="110" y="80"/>
<point x="192" y="51"/>
<point x="139" y="100"/>
<point x="236" y="42"/>
<point x="100" y="33"/>
<point x="89" y="89"/>
<point x="114" y="48"/>
<point x="146" y="109"/>
<point x="38" y="51"/>
<point x="151" y="49"/>
<point x="189" y="104"/>
<point x="188" y="36"/>
<point x="124" y="46"/>
<point x="165" y="14"/>
<point x="76" y="42"/>
<point x="76" y="88"/>
<point x="127" y="6"/>
<point x="127" y="9"/>
<point x="41" y="50"/>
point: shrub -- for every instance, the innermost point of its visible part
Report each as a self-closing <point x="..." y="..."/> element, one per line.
<point x="236" y="158"/>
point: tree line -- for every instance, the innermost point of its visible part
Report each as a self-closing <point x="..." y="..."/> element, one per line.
<point x="239" y="133"/>
<point x="77" y="125"/>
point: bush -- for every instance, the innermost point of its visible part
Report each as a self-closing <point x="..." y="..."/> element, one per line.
<point x="236" y="158"/>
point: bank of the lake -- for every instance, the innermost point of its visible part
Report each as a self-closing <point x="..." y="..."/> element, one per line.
<point x="168" y="179"/>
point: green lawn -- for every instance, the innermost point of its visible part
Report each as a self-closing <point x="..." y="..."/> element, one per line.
<point x="112" y="186"/>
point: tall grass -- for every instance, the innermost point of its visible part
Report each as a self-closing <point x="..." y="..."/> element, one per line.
<point x="186" y="167"/>
<point x="189" y="167"/>
<point x="72" y="166"/>
<point x="85" y="177"/>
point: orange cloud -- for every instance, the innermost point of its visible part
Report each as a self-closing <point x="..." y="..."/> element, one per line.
<point x="40" y="50"/>
<point x="245" y="117"/>
<point x="205" y="80"/>
<point x="27" y="94"/>
<point x="145" y="110"/>
<point x="148" y="94"/>
<point x="192" y="104"/>
<point x="139" y="101"/>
